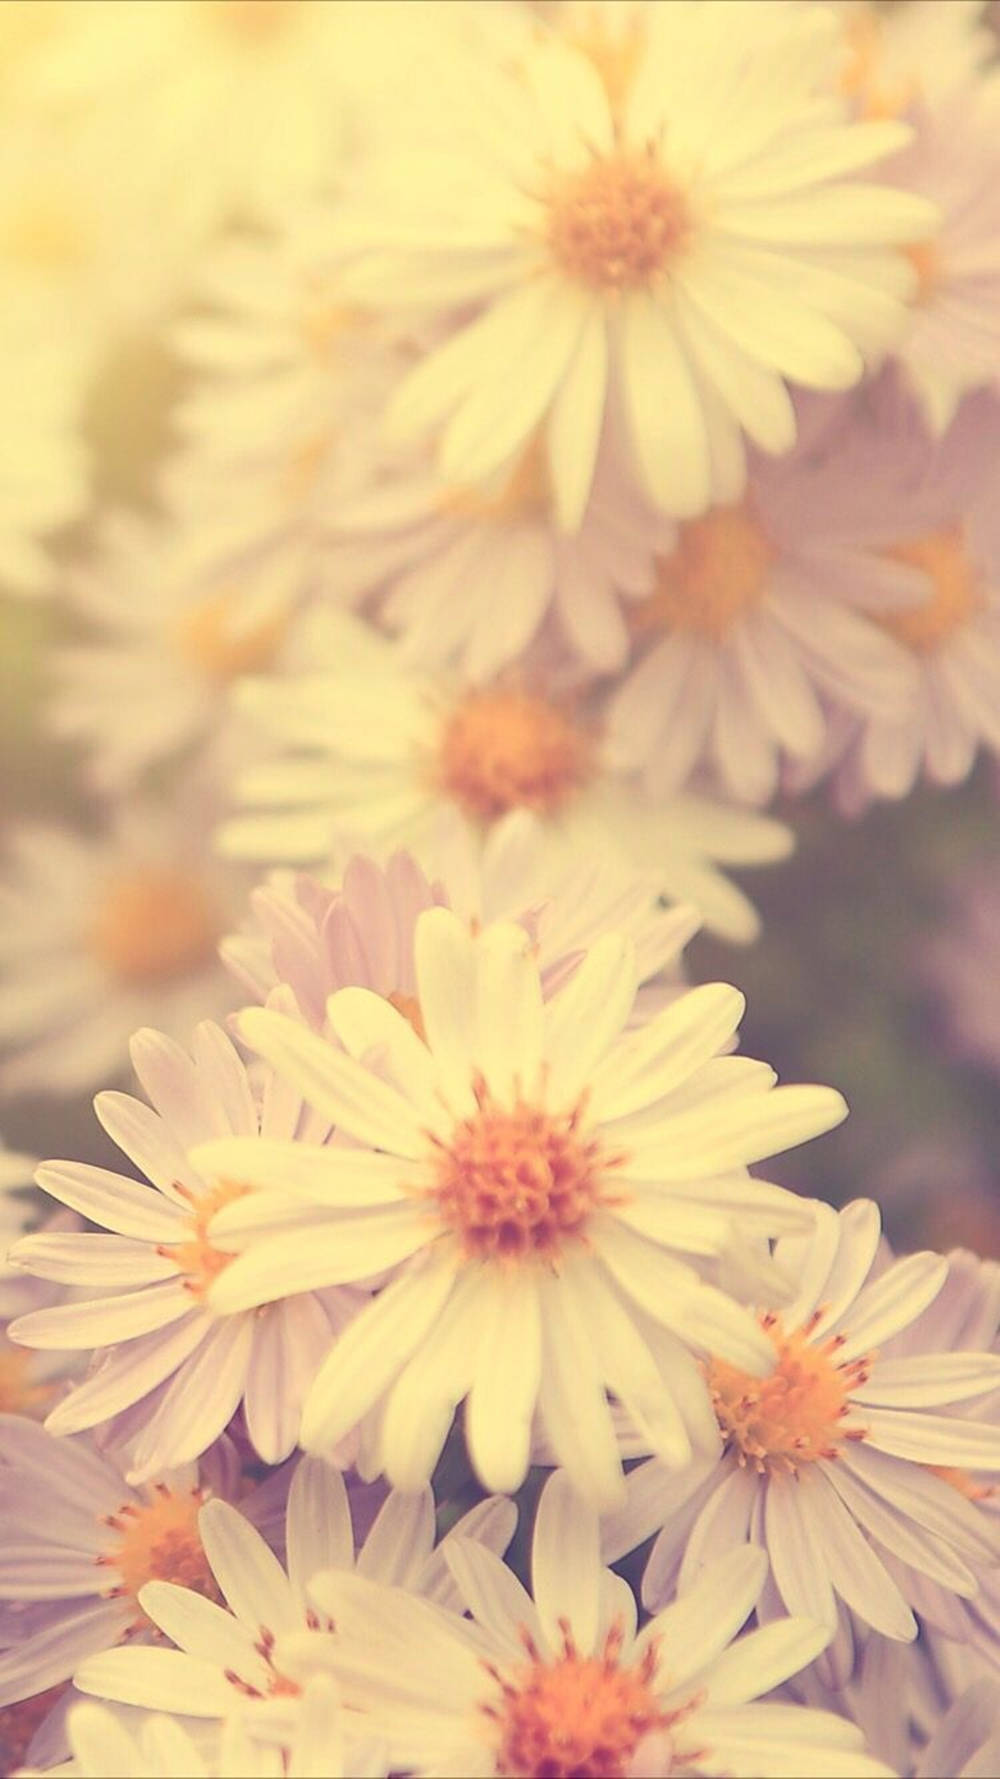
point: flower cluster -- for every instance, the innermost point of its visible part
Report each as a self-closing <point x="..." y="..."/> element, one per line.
<point x="469" y="462"/>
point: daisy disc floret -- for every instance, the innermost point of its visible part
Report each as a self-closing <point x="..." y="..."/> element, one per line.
<point x="707" y="252"/>
<point x="837" y="1450"/>
<point x="544" y="1185"/>
<point x="560" y="1684"/>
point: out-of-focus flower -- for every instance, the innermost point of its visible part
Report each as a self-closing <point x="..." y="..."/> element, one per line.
<point x="893" y="56"/>
<point x="551" y="1184"/>
<point x="564" y="1682"/>
<point x="227" y="1634"/>
<point x="832" y="1460"/>
<point x="171" y="631"/>
<point x="693" y="252"/>
<point x="759" y="623"/>
<point x="101" y="934"/>
<point x="43" y="477"/>
<point x="165" y="1364"/>
<point x="371" y="756"/>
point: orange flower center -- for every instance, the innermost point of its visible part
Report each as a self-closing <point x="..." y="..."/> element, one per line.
<point x="717" y="573"/>
<point x="617" y="224"/>
<point x="159" y="1541"/>
<point x="863" y="78"/>
<point x="518" y="1184"/>
<point x="154" y="925"/>
<point x="794" y="1415"/>
<point x="197" y="1257"/>
<point x="19" y="1722"/>
<point x="217" y="645"/>
<point x="524" y="495"/>
<point x="20" y="1393"/>
<point x="510" y="750"/>
<point x="579" y="1717"/>
<point x="955" y="596"/>
<point x="252" y="21"/>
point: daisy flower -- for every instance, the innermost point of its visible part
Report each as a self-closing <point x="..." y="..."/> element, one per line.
<point x="315" y="940"/>
<point x="80" y="1543"/>
<point x="953" y="342"/>
<point x="169" y="633"/>
<point x="103" y="933"/>
<point x="550" y="1184"/>
<point x="167" y="1365"/>
<point x="227" y="1636"/>
<point x="371" y="756"/>
<point x="759" y="621"/>
<point x="929" y="510"/>
<point x="830" y="1459"/>
<point x="560" y="1681"/>
<point x="161" y="1748"/>
<point x="468" y="576"/>
<point x="694" y="256"/>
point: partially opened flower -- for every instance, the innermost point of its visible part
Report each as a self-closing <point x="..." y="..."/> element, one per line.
<point x="586" y="234"/>
<point x="168" y="1370"/>
<point x="551" y="1183"/>
<point x="227" y="1636"/>
<point x="370" y="756"/>
<point x="560" y="1682"/>
<point x="832" y="1459"/>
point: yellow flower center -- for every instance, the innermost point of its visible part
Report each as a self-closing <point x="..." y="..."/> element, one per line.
<point x="47" y="235"/>
<point x="196" y="1257"/>
<point x="795" y="1415"/>
<point x="518" y="1184"/>
<point x="158" y="1541"/>
<point x="579" y="1717"/>
<point x="19" y="1722"/>
<point x="717" y="573"/>
<point x="863" y="78"/>
<point x="617" y="224"/>
<point x="510" y="750"/>
<point x="154" y="926"/>
<point x="955" y="595"/>
<point x="20" y="1393"/>
<point x="253" y="22"/>
<point x="218" y="646"/>
<point x="524" y="495"/>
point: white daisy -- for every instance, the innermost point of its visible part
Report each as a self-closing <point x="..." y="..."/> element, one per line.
<point x="551" y="1185"/>
<point x="169" y="631"/>
<point x="563" y="1683"/>
<point x="167" y="1369"/>
<point x="696" y="254"/>
<point x="932" y="513"/>
<point x="894" y="56"/>
<point x="759" y="623"/>
<point x="225" y="1657"/>
<point x="161" y="1748"/>
<point x="79" y="1545"/>
<point x="105" y="933"/>
<point x="370" y="756"/>
<point x="827" y="1462"/>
